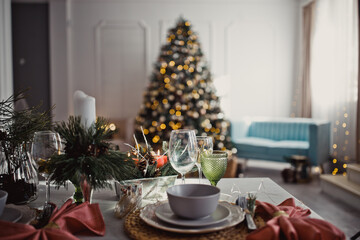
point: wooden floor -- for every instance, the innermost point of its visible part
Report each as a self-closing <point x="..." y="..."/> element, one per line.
<point x="344" y="217"/>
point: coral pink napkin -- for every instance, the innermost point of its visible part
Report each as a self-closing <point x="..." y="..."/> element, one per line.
<point x="295" y="225"/>
<point x="267" y="210"/>
<point x="70" y="219"/>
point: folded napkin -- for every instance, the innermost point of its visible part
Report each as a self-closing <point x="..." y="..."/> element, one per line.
<point x="288" y="221"/>
<point x="293" y="228"/>
<point x="267" y="210"/>
<point x="70" y="219"/>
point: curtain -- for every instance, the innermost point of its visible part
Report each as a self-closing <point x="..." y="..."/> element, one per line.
<point x="334" y="72"/>
<point x="307" y="25"/>
<point x="358" y="87"/>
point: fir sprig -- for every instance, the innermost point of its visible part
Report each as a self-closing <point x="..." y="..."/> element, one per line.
<point x="18" y="127"/>
<point x="87" y="153"/>
<point x="146" y="165"/>
<point x="168" y="170"/>
<point x="98" y="170"/>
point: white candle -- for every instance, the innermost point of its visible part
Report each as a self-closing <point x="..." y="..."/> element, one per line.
<point x="84" y="106"/>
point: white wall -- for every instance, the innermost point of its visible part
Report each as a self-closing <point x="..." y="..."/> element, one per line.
<point x="61" y="94"/>
<point x="107" y="47"/>
<point x="6" y="84"/>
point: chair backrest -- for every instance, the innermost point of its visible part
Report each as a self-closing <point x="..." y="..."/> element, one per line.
<point x="280" y="130"/>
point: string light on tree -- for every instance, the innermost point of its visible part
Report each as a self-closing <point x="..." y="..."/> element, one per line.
<point x="181" y="93"/>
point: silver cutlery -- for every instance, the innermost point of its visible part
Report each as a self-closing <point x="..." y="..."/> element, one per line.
<point x="242" y="202"/>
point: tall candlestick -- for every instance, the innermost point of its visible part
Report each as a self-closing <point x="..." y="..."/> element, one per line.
<point x="84" y="106"/>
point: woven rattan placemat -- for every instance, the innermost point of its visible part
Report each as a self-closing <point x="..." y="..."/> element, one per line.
<point x="136" y="228"/>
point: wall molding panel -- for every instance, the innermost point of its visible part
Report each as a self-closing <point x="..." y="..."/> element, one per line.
<point x="120" y="26"/>
<point x="227" y="29"/>
<point x="252" y="77"/>
<point x="111" y="45"/>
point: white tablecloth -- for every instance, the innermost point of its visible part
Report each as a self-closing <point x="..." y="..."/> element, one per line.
<point x="270" y="192"/>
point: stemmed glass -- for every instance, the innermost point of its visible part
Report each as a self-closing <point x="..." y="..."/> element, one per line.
<point x="214" y="166"/>
<point x="182" y="151"/>
<point x="45" y="145"/>
<point x="204" y="146"/>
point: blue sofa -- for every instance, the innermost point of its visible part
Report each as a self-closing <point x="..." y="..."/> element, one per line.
<point x="272" y="139"/>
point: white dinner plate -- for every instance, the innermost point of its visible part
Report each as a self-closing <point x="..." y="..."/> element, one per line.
<point x="11" y="215"/>
<point x="164" y="213"/>
<point x="147" y="214"/>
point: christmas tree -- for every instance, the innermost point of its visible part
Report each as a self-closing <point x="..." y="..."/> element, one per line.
<point x="181" y="94"/>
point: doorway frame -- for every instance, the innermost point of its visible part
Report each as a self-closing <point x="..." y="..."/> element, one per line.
<point x="6" y="76"/>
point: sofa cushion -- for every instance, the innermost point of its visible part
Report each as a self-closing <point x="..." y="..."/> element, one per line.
<point x="283" y="148"/>
<point x="252" y="144"/>
<point x="271" y="147"/>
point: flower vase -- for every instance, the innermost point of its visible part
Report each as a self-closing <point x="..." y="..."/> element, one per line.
<point x="86" y="189"/>
<point x="19" y="178"/>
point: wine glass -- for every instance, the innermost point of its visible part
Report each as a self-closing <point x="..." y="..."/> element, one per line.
<point x="182" y="151"/>
<point x="204" y="146"/>
<point x="214" y="166"/>
<point x="45" y="145"/>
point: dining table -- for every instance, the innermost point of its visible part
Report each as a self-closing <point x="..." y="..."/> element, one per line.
<point x="267" y="191"/>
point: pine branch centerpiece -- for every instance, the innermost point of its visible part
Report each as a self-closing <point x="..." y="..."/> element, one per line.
<point x="87" y="155"/>
<point x="156" y="175"/>
<point x="89" y="160"/>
